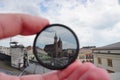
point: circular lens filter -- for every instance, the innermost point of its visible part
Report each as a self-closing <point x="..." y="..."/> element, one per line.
<point x="56" y="47"/>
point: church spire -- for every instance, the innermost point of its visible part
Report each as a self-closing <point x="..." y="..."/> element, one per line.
<point x="60" y="43"/>
<point x="59" y="40"/>
<point x="55" y="38"/>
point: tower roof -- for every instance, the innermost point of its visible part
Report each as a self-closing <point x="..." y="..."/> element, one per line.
<point x="55" y="36"/>
<point x="60" y="40"/>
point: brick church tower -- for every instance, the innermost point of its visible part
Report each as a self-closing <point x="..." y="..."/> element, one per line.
<point x="54" y="49"/>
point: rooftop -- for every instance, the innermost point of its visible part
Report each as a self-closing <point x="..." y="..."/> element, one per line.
<point x="5" y="68"/>
<point x="114" y="46"/>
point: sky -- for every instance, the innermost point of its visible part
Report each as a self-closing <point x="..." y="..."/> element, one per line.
<point x="96" y="22"/>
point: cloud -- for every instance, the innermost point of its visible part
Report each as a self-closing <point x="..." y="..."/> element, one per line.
<point x="96" y="22"/>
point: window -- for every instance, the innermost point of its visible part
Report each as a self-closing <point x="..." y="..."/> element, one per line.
<point x="99" y="60"/>
<point x="109" y="62"/>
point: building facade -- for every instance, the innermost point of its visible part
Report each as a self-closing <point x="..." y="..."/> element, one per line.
<point x="85" y="54"/>
<point x="5" y="50"/>
<point x="108" y="57"/>
<point x="17" y="55"/>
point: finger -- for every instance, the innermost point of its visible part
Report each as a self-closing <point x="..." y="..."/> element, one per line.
<point x="62" y="74"/>
<point x="95" y="74"/>
<point x="8" y="77"/>
<point x="69" y="70"/>
<point x="50" y="76"/>
<point x="14" y="24"/>
<point x="30" y="77"/>
<point x="80" y="71"/>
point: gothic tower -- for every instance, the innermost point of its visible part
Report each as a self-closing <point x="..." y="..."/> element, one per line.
<point x="55" y="38"/>
<point x="59" y="47"/>
<point x="55" y="45"/>
<point x="60" y="43"/>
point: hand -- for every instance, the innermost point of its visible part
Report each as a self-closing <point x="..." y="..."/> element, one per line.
<point x="14" y="24"/>
<point x="78" y="71"/>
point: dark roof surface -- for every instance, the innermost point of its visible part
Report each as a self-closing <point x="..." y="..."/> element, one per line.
<point x="114" y="46"/>
<point x="49" y="46"/>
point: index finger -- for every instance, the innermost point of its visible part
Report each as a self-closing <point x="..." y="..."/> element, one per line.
<point x="14" y="24"/>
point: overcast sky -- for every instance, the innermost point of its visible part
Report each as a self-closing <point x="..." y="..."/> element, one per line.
<point x="96" y="22"/>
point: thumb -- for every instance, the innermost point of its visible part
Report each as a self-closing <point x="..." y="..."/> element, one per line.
<point x="62" y="74"/>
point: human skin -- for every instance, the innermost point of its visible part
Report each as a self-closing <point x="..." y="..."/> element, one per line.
<point x="23" y="24"/>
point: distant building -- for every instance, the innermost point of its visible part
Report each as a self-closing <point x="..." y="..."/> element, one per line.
<point x="85" y="54"/>
<point x="108" y="57"/>
<point x="5" y="54"/>
<point x="17" y="53"/>
<point x="29" y="51"/>
<point x="54" y="49"/>
<point x="5" y="50"/>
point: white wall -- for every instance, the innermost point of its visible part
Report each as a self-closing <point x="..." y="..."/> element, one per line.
<point x="104" y="57"/>
<point x="17" y="55"/>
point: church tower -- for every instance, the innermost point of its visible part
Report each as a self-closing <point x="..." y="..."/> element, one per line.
<point x="60" y="43"/>
<point x="55" y="45"/>
<point x="55" y="38"/>
<point x="59" y="47"/>
<point x="54" y="50"/>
